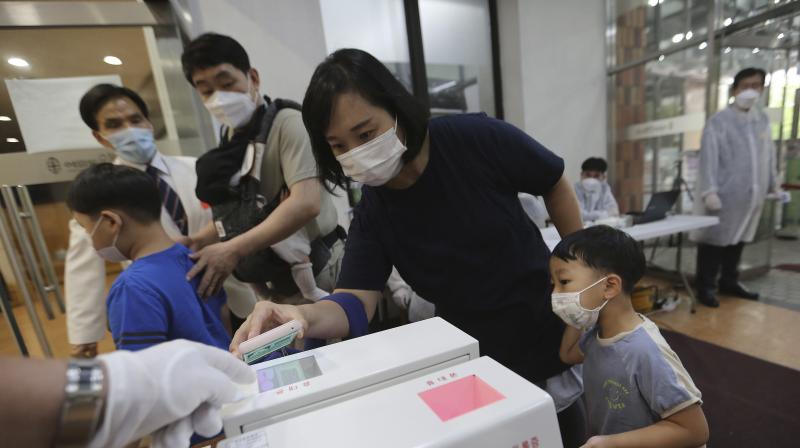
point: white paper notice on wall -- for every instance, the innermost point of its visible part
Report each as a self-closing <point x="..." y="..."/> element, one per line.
<point x="47" y="111"/>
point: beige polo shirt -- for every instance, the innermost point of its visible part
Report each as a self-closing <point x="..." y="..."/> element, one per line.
<point x="288" y="158"/>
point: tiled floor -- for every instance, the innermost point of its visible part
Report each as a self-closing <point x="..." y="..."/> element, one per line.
<point x="777" y="287"/>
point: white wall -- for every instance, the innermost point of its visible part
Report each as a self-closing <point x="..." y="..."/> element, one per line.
<point x="378" y="27"/>
<point x="443" y="32"/>
<point x="554" y="81"/>
<point x="284" y="38"/>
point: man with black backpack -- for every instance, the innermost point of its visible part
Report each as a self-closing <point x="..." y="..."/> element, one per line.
<point x="273" y="219"/>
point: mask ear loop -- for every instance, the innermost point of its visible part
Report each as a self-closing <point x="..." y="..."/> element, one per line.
<point x="96" y="226"/>
<point x="605" y="301"/>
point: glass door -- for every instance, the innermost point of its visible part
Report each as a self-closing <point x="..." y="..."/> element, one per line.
<point x="772" y="45"/>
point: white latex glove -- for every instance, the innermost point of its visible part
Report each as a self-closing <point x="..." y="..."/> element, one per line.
<point x="401" y="291"/>
<point x="712" y="202"/>
<point x="175" y="388"/>
<point x="419" y="308"/>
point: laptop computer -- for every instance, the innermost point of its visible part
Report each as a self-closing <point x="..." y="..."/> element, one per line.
<point x="660" y="203"/>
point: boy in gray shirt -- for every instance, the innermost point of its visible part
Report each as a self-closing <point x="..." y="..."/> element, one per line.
<point x="638" y="393"/>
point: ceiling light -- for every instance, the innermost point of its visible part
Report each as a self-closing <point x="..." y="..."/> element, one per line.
<point x="12" y="140"/>
<point x="781" y="36"/>
<point x="755" y="50"/>
<point x="689" y="35"/>
<point x="703" y="46"/>
<point x="727" y="50"/>
<point x="652" y="2"/>
<point x="4" y="118"/>
<point x="661" y="58"/>
<point x="112" y="60"/>
<point x="727" y="22"/>
<point x="18" y="62"/>
<point x="677" y="38"/>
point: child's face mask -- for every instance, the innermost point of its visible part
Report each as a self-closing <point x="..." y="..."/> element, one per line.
<point x="110" y="253"/>
<point x="567" y="306"/>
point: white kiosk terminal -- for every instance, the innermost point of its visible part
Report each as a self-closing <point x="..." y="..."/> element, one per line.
<point x="298" y="384"/>
<point x="478" y="403"/>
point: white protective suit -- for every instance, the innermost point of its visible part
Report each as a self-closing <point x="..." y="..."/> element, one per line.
<point x="85" y="271"/>
<point x="596" y="204"/>
<point x="737" y="162"/>
<point x="535" y="209"/>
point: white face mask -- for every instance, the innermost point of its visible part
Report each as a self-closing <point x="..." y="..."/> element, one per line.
<point x="376" y="162"/>
<point x="110" y="253"/>
<point x="591" y="184"/>
<point x="233" y="109"/>
<point x="567" y="306"/>
<point x="133" y="144"/>
<point x="747" y="98"/>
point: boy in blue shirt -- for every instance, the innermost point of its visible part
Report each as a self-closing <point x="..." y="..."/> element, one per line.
<point x="151" y="301"/>
<point x="638" y="394"/>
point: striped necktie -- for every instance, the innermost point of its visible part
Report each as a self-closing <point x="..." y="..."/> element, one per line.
<point x="170" y="201"/>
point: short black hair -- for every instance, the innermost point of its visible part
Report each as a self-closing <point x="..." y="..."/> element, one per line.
<point x="594" y="164"/>
<point x="97" y="97"/>
<point x="106" y="186"/>
<point x="746" y="73"/>
<point x="210" y="50"/>
<point x="352" y="70"/>
<point x="606" y="249"/>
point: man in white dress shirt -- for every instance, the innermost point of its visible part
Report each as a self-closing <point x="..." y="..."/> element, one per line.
<point x="119" y="120"/>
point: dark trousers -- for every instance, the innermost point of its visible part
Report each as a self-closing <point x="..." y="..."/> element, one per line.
<point x="572" y="424"/>
<point x="713" y="259"/>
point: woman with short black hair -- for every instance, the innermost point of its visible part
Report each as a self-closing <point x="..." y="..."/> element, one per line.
<point x="439" y="203"/>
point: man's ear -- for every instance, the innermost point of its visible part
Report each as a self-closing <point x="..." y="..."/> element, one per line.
<point x="613" y="286"/>
<point x="255" y="77"/>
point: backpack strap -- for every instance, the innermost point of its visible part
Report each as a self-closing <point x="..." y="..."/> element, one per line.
<point x="256" y="148"/>
<point x="269" y="117"/>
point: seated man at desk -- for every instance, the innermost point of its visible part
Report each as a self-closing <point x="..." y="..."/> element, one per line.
<point x="594" y="193"/>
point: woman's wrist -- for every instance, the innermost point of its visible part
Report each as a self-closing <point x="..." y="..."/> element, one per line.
<point x="307" y="316"/>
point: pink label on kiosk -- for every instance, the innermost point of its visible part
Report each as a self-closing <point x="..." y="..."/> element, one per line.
<point x="460" y="397"/>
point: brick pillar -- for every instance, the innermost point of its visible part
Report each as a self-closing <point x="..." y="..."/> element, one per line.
<point x="629" y="109"/>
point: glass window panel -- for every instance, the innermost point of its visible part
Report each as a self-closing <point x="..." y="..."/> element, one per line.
<point x="669" y="153"/>
<point x="637" y="28"/>
<point x="735" y="10"/>
<point x="657" y="114"/>
<point x="769" y="46"/>
<point x="376" y="27"/>
<point x="456" y="40"/>
<point x="71" y="52"/>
